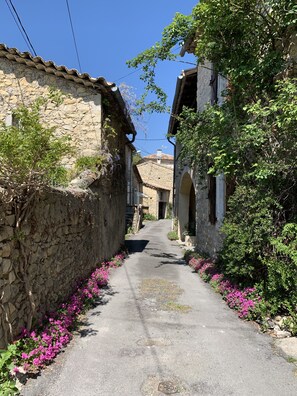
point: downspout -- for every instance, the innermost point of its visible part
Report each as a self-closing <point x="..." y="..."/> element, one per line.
<point x="174" y="172"/>
<point x="180" y="83"/>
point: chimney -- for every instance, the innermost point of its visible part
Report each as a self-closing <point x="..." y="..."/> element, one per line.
<point x="159" y="156"/>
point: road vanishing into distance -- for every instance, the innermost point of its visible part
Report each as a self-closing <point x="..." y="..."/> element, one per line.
<point x="160" y="330"/>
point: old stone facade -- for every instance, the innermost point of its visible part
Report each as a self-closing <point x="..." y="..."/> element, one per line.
<point x="157" y="188"/>
<point x="87" y="104"/>
<point x="200" y="200"/>
<point x="68" y="230"/>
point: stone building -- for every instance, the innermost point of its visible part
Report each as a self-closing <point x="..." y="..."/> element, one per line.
<point x="157" y="188"/>
<point x="200" y="200"/>
<point x="68" y="230"/>
<point x="91" y="106"/>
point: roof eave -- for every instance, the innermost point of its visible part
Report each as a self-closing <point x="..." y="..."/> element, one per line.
<point x="180" y="84"/>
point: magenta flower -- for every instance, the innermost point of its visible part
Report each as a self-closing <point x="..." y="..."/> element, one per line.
<point x="48" y="342"/>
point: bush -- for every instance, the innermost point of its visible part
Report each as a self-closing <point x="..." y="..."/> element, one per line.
<point x="280" y="287"/>
<point x="149" y="216"/>
<point x="172" y="236"/>
<point x="248" y="228"/>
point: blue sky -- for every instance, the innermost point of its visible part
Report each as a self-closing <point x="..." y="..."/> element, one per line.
<point x="108" y="33"/>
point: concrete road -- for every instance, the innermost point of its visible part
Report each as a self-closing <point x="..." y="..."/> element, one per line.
<point x="164" y="331"/>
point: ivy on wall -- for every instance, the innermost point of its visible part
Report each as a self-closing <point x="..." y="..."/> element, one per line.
<point x="252" y="137"/>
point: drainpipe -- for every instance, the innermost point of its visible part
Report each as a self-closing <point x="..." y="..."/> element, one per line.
<point x="179" y="85"/>
<point x="174" y="172"/>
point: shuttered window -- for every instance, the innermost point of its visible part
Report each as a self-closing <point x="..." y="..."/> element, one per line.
<point x="212" y="198"/>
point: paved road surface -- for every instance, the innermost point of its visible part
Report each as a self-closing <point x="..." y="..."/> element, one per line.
<point x="163" y="331"/>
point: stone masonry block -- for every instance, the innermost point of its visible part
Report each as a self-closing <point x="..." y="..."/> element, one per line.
<point x="6" y="233"/>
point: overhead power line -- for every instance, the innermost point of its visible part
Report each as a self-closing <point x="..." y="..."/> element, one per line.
<point x="127" y="75"/>
<point x="20" y="25"/>
<point x="73" y="35"/>
<point x="150" y="140"/>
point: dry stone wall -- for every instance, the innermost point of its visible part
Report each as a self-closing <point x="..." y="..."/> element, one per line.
<point x="209" y="239"/>
<point x="67" y="233"/>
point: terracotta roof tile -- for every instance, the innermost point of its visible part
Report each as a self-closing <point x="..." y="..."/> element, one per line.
<point x="50" y="67"/>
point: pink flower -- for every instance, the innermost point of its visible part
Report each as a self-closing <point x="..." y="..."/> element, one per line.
<point x="47" y="343"/>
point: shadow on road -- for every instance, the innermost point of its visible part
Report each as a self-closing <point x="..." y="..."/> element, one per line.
<point x="172" y="262"/>
<point x="136" y="245"/>
<point x="85" y="328"/>
<point x="164" y="255"/>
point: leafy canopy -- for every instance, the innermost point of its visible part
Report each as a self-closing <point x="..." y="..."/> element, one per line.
<point x="248" y="40"/>
<point x="251" y="137"/>
<point x="30" y="153"/>
<point x="173" y="38"/>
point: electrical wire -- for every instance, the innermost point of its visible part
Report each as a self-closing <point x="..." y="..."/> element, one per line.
<point x="127" y="75"/>
<point x="142" y="150"/>
<point x="20" y="25"/>
<point x="140" y="68"/>
<point x="150" y="140"/>
<point x="73" y="35"/>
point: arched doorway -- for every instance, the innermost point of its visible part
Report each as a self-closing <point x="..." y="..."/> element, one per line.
<point x="186" y="207"/>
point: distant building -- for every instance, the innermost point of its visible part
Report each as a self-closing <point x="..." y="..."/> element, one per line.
<point x="157" y="188"/>
<point x="159" y="158"/>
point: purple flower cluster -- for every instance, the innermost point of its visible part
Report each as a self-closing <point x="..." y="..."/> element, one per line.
<point x="217" y="278"/>
<point x="244" y="301"/>
<point x="117" y="260"/>
<point x="42" y="346"/>
<point x="199" y="263"/>
<point x="207" y="270"/>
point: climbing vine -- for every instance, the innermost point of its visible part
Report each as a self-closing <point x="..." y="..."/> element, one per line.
<point x="252" y="137"/>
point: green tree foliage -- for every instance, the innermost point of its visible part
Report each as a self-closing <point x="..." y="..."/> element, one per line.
<point x="247" y="40"/>
<point x="136" y="158"/>
<point x="30" y="154"/>
<point x="168" y="48"/>
<point x="281" y="264"/>
<point x="30" y="161"/>
<point x="252" y="137"/>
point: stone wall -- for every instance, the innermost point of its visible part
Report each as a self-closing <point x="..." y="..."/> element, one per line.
<point x="151" y="200"/>
<point x="208" y="236"/>
<point x="67" y="233"/>
<point x="79" y="116"/>
<point x="203" y="85"/>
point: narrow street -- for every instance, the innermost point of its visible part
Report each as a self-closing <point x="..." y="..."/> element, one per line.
<point x="161" y="330"/>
